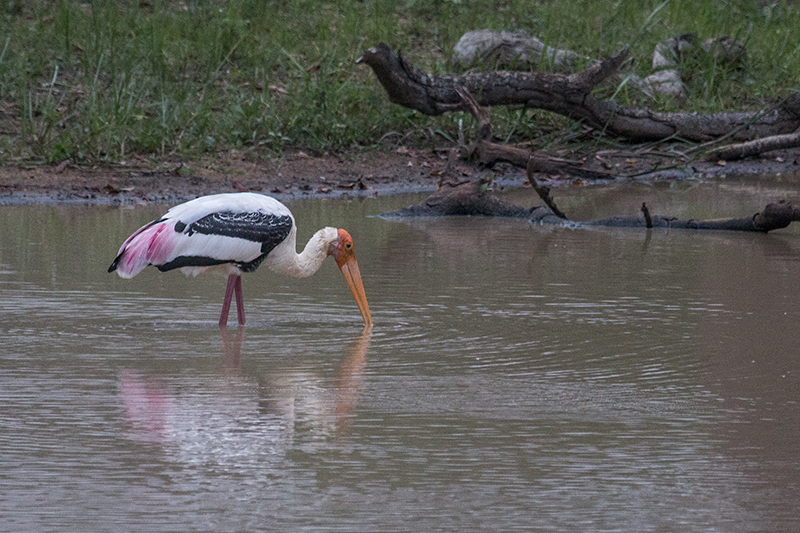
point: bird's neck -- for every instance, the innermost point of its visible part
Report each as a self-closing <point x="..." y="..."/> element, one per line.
<point x="288" y="262"/>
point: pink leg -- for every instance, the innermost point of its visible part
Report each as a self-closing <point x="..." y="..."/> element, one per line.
<point x="226" y="303"/>
<point x="239" y="300"/>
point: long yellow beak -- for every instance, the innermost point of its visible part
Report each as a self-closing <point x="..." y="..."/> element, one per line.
<point x="352" y="275"/>
<point x="346" y="259"/>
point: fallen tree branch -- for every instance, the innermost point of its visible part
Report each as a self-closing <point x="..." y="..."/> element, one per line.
<point x="774" y="216"/>
<point x="433" y="95"/>
<point x="648" y="222"/>
<point x="571" y="96"/>
<point x="544" y="192"/>
<point x="489" y="153"/>
<point x="756" y="147"/>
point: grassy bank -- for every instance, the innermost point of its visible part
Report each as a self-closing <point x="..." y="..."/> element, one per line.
<point x="106" y="80"/>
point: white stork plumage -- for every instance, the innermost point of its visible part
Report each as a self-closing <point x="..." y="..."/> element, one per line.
<point x="235" y="233"/>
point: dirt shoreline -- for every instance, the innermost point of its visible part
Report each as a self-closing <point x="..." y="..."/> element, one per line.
<point x="298" y="175"/>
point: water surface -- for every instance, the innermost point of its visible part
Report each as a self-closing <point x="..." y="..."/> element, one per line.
<point x="518" y="377"/>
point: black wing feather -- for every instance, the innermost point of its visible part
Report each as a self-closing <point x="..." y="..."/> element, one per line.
<point x="268" y="229"/>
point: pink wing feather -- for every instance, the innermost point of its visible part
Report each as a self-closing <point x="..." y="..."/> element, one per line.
<point x="153" y="243"/>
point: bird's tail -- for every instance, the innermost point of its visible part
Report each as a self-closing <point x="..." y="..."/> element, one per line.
<point x="149" y="244"/>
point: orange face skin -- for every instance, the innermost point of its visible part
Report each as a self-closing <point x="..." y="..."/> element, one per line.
<point x="346" y="260"/>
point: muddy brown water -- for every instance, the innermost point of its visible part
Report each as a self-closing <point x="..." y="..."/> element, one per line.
<point x="517" y="378"/>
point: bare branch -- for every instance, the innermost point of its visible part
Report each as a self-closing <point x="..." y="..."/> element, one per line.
<point x="544" y="192"/>
<point x="570" y="96"/>
<point x="755" y="147"/>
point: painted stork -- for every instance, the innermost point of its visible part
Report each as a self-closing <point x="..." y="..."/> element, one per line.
<point x="233" y="234"/>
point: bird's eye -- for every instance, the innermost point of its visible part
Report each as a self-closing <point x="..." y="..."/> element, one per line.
<point x="348" y="245"/>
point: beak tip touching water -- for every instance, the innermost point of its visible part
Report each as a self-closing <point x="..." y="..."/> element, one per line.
<point x="352" y="276"/>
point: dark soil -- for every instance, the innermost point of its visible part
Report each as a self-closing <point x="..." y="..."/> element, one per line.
<point x="293" y="176"/>
<point x="298" y="175"/>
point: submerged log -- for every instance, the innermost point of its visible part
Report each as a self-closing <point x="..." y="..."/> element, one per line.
<point x="465" y="197"/>
<point x="473" y="198"/>
<point x="774" y="216"/>
<point x="571" y="96"/>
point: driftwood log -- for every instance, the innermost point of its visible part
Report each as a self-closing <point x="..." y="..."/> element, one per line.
<point x="469" y="197"/>
<point x="774" y="216"/>
<point x="571" y="96"/>
<point x="473" y="197"/>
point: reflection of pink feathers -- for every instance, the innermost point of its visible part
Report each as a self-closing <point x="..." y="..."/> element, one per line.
<point x="152" y="243"/>
<point x="147" y="406"/>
